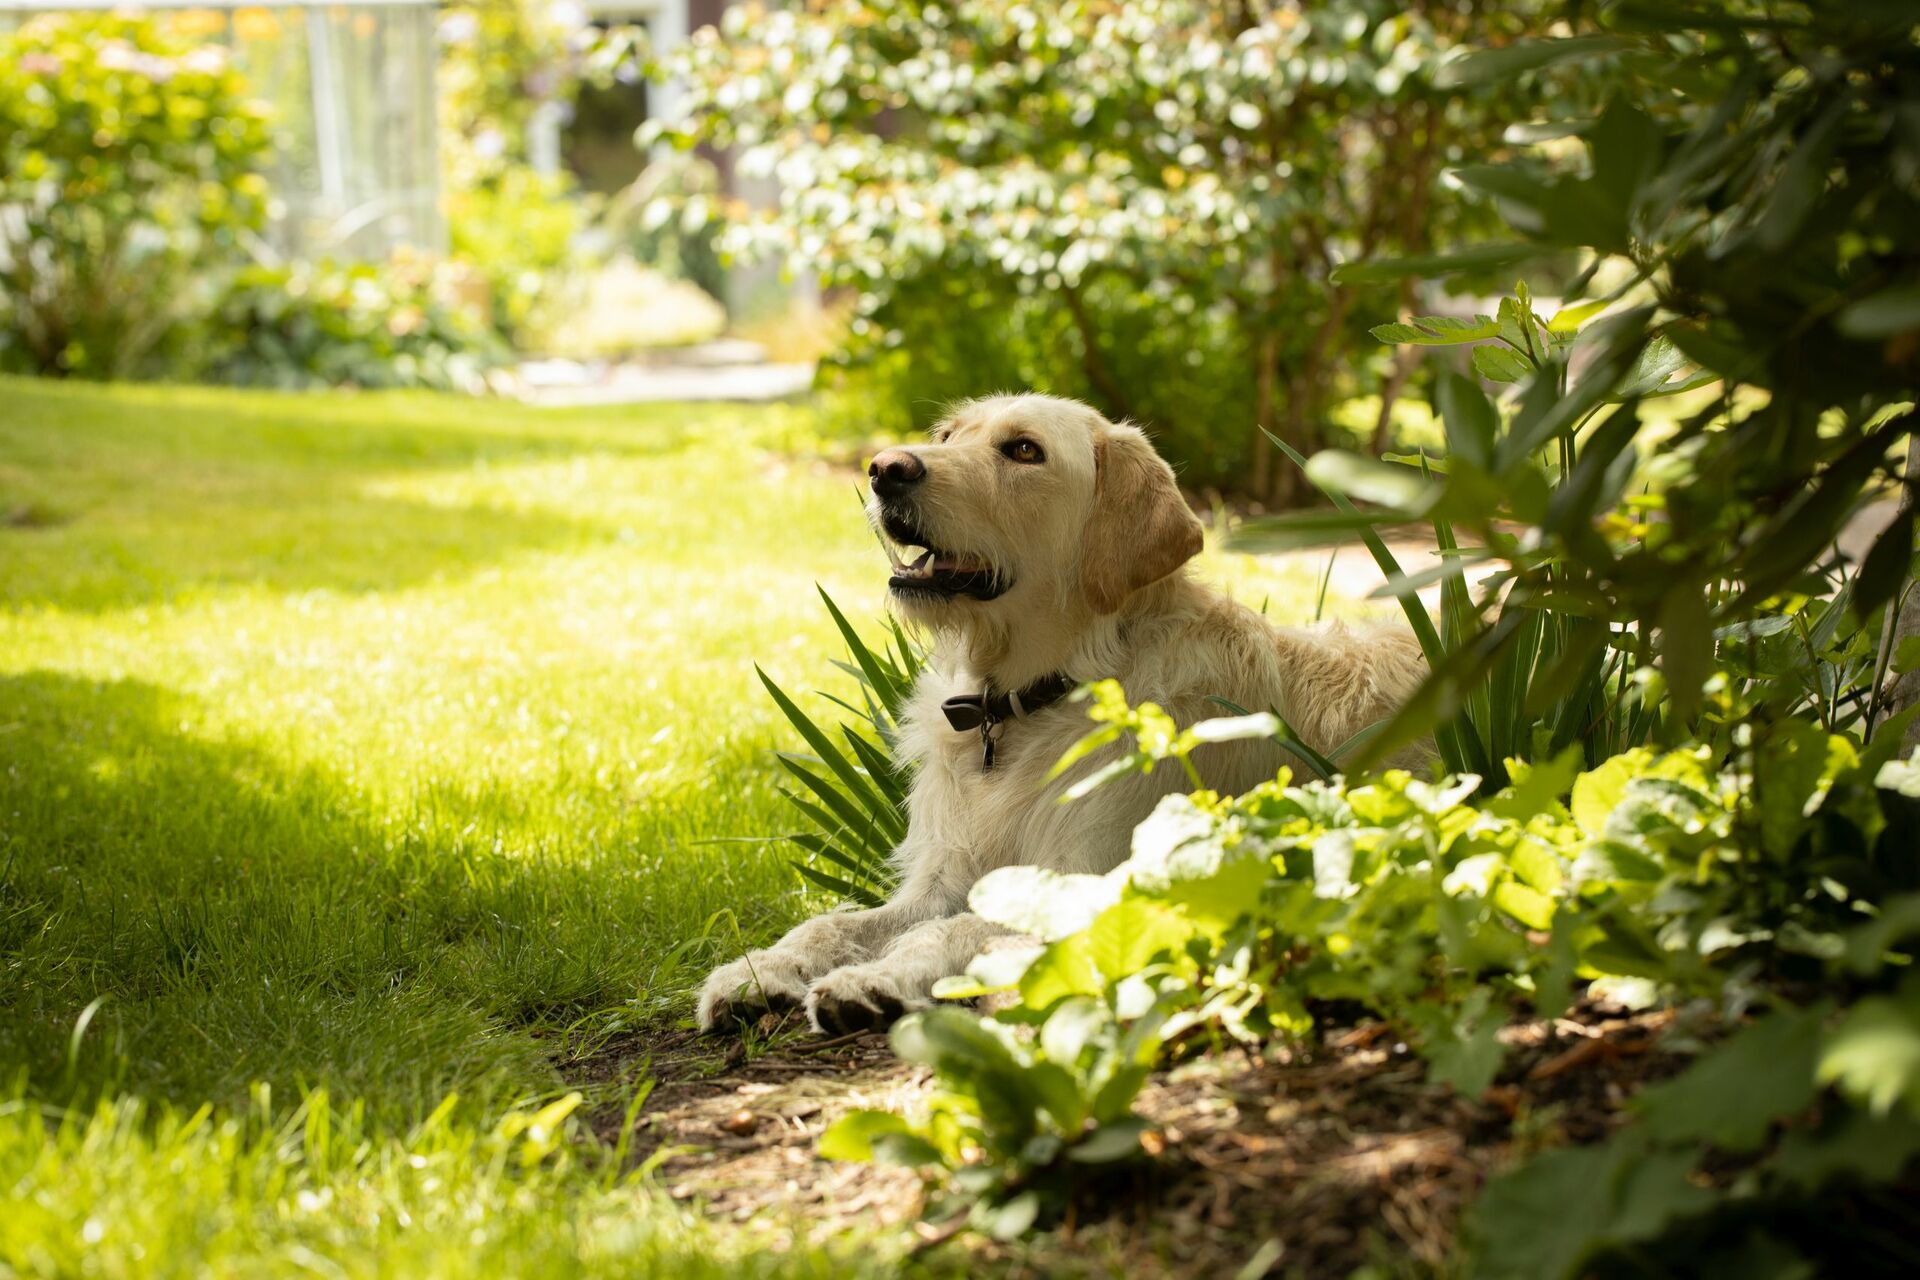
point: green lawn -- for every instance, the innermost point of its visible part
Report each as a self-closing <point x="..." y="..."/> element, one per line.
<point x="361" y="753"/>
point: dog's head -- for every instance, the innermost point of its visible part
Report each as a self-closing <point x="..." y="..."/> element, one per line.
<point x="1027" y="502"/>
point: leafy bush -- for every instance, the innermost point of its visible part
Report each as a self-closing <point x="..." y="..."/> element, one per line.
<point x="360" y="325"/>
<point x="1679" y="871"/>
<point x="1171" y="178"/>
<point x="519" y="230"/>
<point x="1539" y="662"/>
<point x="128" y="179"/>
<point x="1761" y="209"/>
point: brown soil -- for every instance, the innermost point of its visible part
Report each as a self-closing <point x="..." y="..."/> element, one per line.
<point x="1311" y="1161"/>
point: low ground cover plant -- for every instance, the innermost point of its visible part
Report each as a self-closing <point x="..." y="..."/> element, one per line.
<point x="1774" y="884"/>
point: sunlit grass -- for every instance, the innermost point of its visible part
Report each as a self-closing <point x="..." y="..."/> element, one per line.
<point x="374" y="745"/>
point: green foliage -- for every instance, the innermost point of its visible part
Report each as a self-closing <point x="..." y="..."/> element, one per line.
<point x="1540" y="659"/>
<point x="128" y="176"/>
<point x="1683" y="872"/>
<point x="516" y="229"/>
<point x="1141" y="205"/>
<point x="1807" y="1159"/>
<point x="853" y="788"/>
<point x="357" y="325"/>
<point x="1747" y="188"/>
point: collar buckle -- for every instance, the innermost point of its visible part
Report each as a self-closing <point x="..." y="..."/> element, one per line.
<point x="988" y="711"/>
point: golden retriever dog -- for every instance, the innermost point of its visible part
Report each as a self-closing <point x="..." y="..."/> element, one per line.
<point x="1042" y="546"/>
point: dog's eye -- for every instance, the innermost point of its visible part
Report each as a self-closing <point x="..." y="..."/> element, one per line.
<point x="1023" y="451"/>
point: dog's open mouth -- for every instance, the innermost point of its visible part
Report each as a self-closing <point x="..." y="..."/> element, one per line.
<point x="921" y="567"/>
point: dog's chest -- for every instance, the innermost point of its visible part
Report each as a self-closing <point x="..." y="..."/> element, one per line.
<point x="978" y="817"/>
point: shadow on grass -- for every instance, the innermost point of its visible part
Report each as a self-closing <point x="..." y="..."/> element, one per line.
<point x="246" y="921"/>
<point x="140" y="494"/>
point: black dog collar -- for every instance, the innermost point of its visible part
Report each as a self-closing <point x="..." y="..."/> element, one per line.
<point x="987" y="710"/>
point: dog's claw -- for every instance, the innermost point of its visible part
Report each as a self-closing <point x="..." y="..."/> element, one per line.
<point x="737" y="995"/>
<point x="749" y="1008"/>
<point x="849" y="1000"/>
<point x="836" y="1017"/>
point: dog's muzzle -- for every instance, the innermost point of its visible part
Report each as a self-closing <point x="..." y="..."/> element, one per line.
<point x="920" y="566"/>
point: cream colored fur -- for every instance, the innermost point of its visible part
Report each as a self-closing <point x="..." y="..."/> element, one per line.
<point x="1092" y="541"/>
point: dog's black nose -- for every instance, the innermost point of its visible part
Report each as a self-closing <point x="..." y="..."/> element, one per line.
<point x="894" y="471"/>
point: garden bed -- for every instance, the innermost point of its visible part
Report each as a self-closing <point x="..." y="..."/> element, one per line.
<point x="1316" y="1160"/>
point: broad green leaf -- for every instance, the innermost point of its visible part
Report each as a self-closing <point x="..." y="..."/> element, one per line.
<point x="1792" y="767"/>
<point x="1487" y="65"/>
<point x="867" y="1135"/>
<point x="1371" y="480"/>
<point x="1596" y="793"/>
<point x="1008" y="1221"/>
<point x="1437" y="331"/>
<point x="1884" y="314"/>
<point x="1536" y="865"/>
<point x="1130" y="933"/>
<point x="988" y="972"/>
<point x="1886" y="568"/>
<point x="1042" y="903"/>
<point x="1735" y="1094"/>
<point x="1501" y="364"/>
<point x="1469" y="1060"/>
<point x="1066" y="968"/>
<point x="1873" y="1056"/>
<point x="1119" y="1140"/>
<point x="1472" y="423"/>
<point x="1902" y="776"/>
<point x="1851" y="1144"/>
<point x="1529" y="906"/>
<point x="1071" y="1027"/>
<point x="1568" y="320"/>
<point x="1547" y="1218"/>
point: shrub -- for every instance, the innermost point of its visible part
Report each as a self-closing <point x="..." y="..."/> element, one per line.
<point x="1171" y="177"/>
<point x="519" y="231"/>
<point x="326" y="325"/>
<point x="128" y="179"/>
<point x="1757" y="211"/>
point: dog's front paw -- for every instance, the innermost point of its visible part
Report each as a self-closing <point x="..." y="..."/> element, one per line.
<point x="858" y="998"/>
<point x="736" y="994"/>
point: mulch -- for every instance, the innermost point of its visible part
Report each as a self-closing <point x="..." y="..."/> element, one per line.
<point x="1310" y="1161"/>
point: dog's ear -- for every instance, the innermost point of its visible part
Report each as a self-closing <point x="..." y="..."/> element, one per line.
<point x="1141" y="529"/>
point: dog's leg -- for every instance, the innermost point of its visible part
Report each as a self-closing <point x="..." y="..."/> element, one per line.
<point x="776" y="979"/>
<point x="874" y="994"/>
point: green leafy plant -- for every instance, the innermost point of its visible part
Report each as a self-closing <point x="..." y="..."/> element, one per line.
<point x="1140" y="206"/>
<point x="1805" y="1119"/>
<point x="1537" y="660"/>
<point x="129" y="161"/>
<point x="1740" y="193"/>
<point x="852" y="788"/>
<point x="1680" y="872"/>
<point x="358" y="325"/>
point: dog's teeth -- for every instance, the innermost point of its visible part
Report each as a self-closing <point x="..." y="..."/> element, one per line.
<point x="920" y="564"/>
